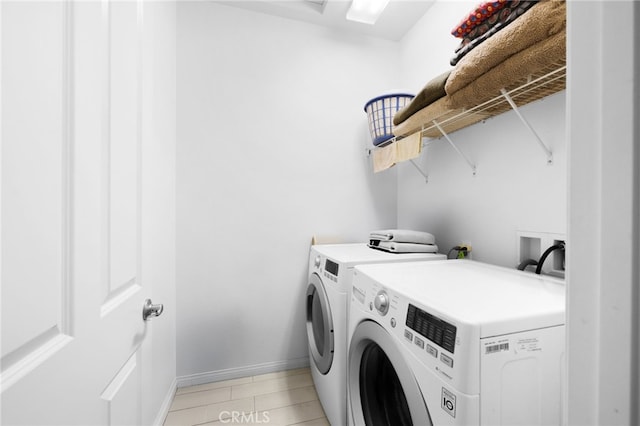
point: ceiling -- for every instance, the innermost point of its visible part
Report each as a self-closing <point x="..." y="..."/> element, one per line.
<point x="396" y="20"/>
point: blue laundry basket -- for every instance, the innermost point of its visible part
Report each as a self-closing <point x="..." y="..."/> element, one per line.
<point x="380" y="112"/>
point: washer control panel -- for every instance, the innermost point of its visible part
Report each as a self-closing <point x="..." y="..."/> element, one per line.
<point x="331" y="269"/>
<point x="431" y="327"/>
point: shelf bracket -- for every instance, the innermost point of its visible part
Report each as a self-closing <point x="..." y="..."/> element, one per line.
<point x="515" y="108"/>
<point x="460" y="153"/>
<point x="424" y="175"/>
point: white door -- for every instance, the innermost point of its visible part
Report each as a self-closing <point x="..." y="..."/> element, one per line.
<point x="73" y="339"/>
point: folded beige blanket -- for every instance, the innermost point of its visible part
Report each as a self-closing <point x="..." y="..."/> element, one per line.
<point x="431" y="92"/>
<point x="425" y="115"/>
<point x="539" y="23"/>
<point x="441" y="111"/>
<point x="546" y="55"/>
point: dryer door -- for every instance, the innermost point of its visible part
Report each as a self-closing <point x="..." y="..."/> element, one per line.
<point x="382" y="388"/>
<point x="319" y="325"/>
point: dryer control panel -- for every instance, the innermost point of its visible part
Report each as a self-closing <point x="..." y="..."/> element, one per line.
<point x="433" y="328"/>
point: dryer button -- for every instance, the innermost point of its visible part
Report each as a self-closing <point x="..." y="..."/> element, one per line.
<point x="446" y="359"/>
<point x="408" y="335"/>
<point x="418" y="341"/>
<point x="432" y="351"/>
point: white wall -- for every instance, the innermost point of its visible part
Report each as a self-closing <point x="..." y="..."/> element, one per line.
<point x="514" y="189"/>
<point x="271" y="142"/>
<point x="428" y="46"/>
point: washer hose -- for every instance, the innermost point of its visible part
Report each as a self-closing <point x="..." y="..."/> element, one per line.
<point x="547" y="252"/>
<point x="527" y="262"/>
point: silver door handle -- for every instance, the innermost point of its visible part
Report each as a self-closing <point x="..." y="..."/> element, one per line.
<point x="151" y="310"/>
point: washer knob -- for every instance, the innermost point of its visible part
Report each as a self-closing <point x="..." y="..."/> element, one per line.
<point x="381" y="302"/>
<point x="316" y="262"/>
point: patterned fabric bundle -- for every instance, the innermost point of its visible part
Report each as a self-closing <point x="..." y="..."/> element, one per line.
<point x="541" y="21"/>
<point x="490" y="26"/>
<point x="506" y="14"/>
<point x="477" y="16"/>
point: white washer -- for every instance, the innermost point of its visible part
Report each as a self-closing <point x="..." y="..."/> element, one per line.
<point x="456" y="342"/>
<point x="330" y="271"/>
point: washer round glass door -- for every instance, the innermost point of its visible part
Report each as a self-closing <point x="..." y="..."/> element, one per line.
<point x="382" y="389"/>
<point x="319" y="325"/>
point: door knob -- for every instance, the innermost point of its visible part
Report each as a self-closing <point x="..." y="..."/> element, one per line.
<point x="151" y="310"/>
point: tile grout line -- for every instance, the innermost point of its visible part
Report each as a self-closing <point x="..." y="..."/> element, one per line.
<point x="231" y="392"/>
<point x="254" y="400"/>
<point x="257" y="380"/>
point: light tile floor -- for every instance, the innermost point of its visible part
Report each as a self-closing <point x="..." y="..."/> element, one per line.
<point x="274" y="399"/>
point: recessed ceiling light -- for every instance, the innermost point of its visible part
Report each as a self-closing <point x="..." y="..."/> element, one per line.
<point x="366" y="11"/>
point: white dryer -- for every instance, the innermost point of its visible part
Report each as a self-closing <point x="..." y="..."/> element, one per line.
<point x="456" y="342"/>
<point x="330" y="271"/>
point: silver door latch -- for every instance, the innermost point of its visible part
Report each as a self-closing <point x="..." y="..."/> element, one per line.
<point x="151" y="310"/>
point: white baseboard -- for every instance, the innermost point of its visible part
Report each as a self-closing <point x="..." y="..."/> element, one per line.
<point x="166" y="404"/>
<point x="234" y="373"/>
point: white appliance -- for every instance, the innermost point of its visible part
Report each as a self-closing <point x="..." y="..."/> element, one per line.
<point x="330" y="271"/>
<point x="455" y="342"/>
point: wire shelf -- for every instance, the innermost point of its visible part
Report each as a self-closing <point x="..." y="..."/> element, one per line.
<point x="536" y="86"/>
<point x="532" y="88"/>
